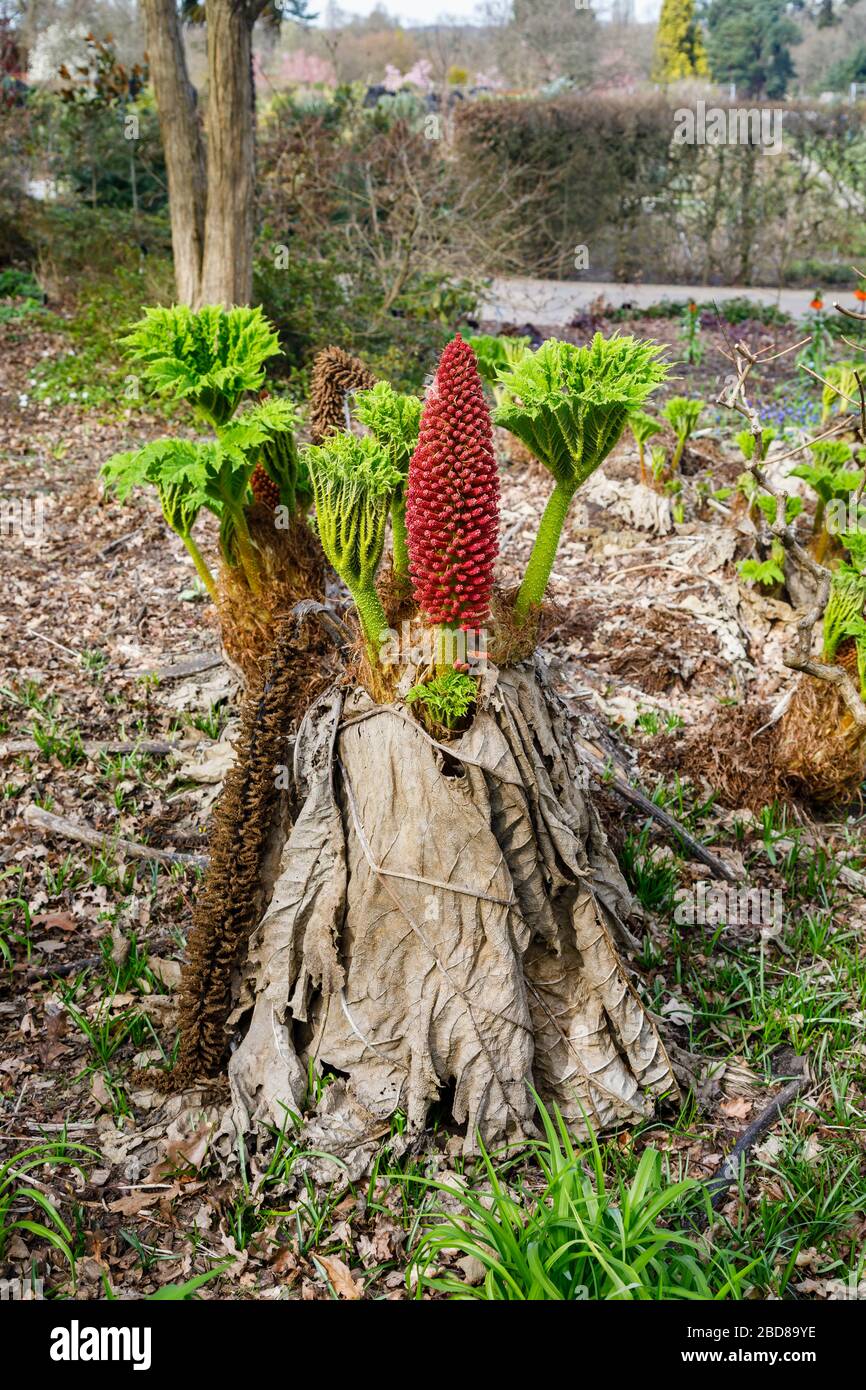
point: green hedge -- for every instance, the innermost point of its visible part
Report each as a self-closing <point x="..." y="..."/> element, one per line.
<point x="604" y="172"/>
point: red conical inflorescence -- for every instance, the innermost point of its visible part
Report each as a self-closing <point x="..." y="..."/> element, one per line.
<point x="263" y="487"/>
<point x="452" y="497"/>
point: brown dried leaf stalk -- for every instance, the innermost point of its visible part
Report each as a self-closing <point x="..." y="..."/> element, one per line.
<point x="248" y="828"/>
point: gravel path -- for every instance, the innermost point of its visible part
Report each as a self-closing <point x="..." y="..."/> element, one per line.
<point x="553" y="302"/>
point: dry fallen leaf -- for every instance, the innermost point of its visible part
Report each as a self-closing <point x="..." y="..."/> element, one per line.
<point x="677" y="1011"/>
<point x="472" y="1268"/>
<point x="134" y="1202"/>
<point x="100" y="1092"/>
<point x="168" y="971"/>
<point x="736" y="1108"/>
<point x="186" y="1151"/>
<point x="56" y="921"/>
<point x="812" y="1149"/>
<point x="340" y="1276"/>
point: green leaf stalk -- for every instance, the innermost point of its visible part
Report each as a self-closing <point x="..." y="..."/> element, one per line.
<point x="569" y="406"/>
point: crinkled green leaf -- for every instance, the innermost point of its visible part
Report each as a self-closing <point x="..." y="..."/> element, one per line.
<point x="354" y="483"/>
<point x="259" y="423"/>
<point x="683" y="414"/>
<point x="393" y="419"/>
<point x="210" y="357"/>
<point x="569" y="405"/>
<point x="643" y="426"/>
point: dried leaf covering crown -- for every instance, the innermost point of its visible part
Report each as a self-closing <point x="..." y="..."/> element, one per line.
<point x="335" y="373"/>
<point x="452" y="511"/>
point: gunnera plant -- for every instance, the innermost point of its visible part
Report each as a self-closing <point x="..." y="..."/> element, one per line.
<point x="746" y="443"/>
<point x="569" y="406"/>
<point x="177" y="470"/>
<point x="643" y="427"/>
<point x="428" y="904"/>
<point x="844" y="630"/>
<point x="841" y="391"/>
<point x="683" y="415"/>
<point x="211" y="357"/>
<point x="248" y="474"/>
<point x="769" y="571"/>
<point x="833" y="484"/>
<point x="445" y="701"/>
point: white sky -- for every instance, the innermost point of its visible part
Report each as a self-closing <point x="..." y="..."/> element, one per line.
<point x="426" y="11"/>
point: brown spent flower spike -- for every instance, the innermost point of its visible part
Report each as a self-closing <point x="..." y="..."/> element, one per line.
<point x="335" y="374"/>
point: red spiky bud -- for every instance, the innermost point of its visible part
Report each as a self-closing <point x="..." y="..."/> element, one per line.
<point x="263" y="487"/>
<point x="452" y="497"/>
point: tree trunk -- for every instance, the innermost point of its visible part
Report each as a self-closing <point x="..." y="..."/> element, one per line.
<point x="182" y="143"/>
<point x="227" y="273"/>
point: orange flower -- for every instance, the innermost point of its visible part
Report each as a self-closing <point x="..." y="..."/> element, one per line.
<point x="860" y="293"/>
<point x="817" y="302"/>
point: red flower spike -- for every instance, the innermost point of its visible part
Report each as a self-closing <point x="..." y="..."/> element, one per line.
<point x="263" y="487"/>
<point x="452" y="497"/>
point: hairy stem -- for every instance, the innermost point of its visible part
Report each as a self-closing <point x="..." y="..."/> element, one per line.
<point x="446" y="649"/>
<point x="374" y="621"/>
<point x="247" y="554"/>
<point x="541" y="560"/>
<point x="822" y="544"/>
<point x="198" y="560"/>
<point x="818" y="525"/>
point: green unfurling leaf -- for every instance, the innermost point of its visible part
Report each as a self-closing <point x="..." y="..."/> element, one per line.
<point x="163" y="463"/>
<point x="259" y="423"/>
<point x="266" y="433"/>
<point x="767" y="505"/>
<point x="569" y="405"/>
<point x="354" y="483"/>
<point x="445" y="700"/>
<point x="643" y="426"/>
<point x="830" y="483"/>
<point x="767" y="572"/>
<point x="831" y="454"/>
<point x="843" y="616"/>
<point x="393" y="420"/>
<point x="683" y="414"/>
<point x="210" y="357"/>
